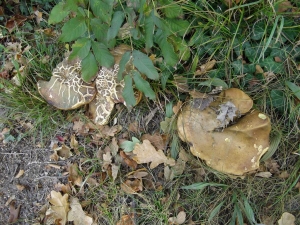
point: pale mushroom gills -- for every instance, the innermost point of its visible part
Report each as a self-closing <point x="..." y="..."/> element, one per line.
<point x="230" y="143"/>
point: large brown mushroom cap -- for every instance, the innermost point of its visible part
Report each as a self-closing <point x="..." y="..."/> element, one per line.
<point x="236" y="149"/>
<point x="66" y="90"/>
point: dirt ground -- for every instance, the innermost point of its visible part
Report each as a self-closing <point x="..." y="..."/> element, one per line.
<point x="37" y="181"/>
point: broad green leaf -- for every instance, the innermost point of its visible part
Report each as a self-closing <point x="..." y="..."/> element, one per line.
<point x="177" y="26"/>
<point x="174" y="147"/>
<point x="294" y="88"/>
<point x="128" y="146"/>
<point x="71" y="5"/>
<point x="202" y="185"/>
<point x="164" y="76"/>
<point x="277" y="100"/>
<point x="73" y="29"/>
<point x="171" y="9"/>
<point x="167" y="49"/>
<point x="128" y="92"/>
<point x="81" y="48"/>
<point x="258" y="31"/>
<point x="169" y="109"/>
<point x="214" y="82"/>
<point x="102" y="54"/>
<point x="58" y="13"/>
<point x="180" y="47"/>
<point x="99" y="29"/>
<point x="149" y="30"/>
<point x="89" y="68"/>
<point x="122" y="64"/>
<point x="271" y="66"/>
<point x="144" y="64"/>
<point x="116" y="23"/>
<point x="143" y="85"/>
<point x="102" y="9"/>
<point x="215" y="211"/>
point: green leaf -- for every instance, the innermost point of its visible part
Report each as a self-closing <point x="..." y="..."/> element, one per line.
<point x="128" y="92"/>
<point x="122" y="64"/>
<point x="171" y="9"/>
<point x="144" y="64"/>
<point x="271" y="66"/>
<point x="258" y="31"/>
<point x="149" y="30"/>
<point x="81" y="48"/>
<point x="180" y="47"/>
<point x="214" y="82"/>
<point x="202" y="185"/>
<point x="176" y="26"/>
<point x="116" y="24"/>
<point x="143" y="85"/>
<point x="174" y="147"/>
<point x="71" y="5"/>
<point x="169" y="109"/>
<point x="89" y="68"/>
<point x="128" y="146"/>
<point x="102" y="9"/>
<point x="249" y="211"/>
<point x="99" y="29"/>
<point x="277" y="99"/>
<point x="167" y="49"/>
<point x="215" y="211"/>
<point x="73" y="29"/>
<point x="58" y="13"/>
<point x="294" y="88"/>
<point x="164" y="78"/>
<point x="102" y="54"/>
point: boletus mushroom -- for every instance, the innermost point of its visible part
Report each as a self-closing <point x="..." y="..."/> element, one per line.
<point x="233" y="148"/>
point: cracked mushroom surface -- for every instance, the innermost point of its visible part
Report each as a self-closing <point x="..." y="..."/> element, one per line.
<point x="66" y="90"/>
<point x="235" y="149"/>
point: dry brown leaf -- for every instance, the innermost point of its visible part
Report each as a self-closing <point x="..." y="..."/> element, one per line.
<point x="181" y="83"/>
<point x="13" y="212"/>
<point x="133" y="127"/>
<point x="179" y="219"/>
<point x="287" y="219"/>
<point x="63" y="152"/>
<point x="284" y="175"/>
<point x="80" y="127"/>
<point x="126" y="220"/>
<point x="138" y="174"/>
<point x="58" y="211"/>
<point x="132" y="187"/>
<point x="258" y="69"/>
<point x="77" y="215"/>
<point x="114" y="171"/>
<point x="284" y="6"/>
<point x="130" y="162"/>
<point x="177" y="107"/>
<point x="264" y="174"/>
<point x="20" y="187"/>
<point x="39" y="16"/>
<point x="74" y="144"/>
<point x="20" y="173"/>
<point x="156" y="140"/>
<point x="176" y="170"/>
<point x="64" y="188"/>
<point x="205" y="68"/>
<point x="145" y="153"/>
<point x="74" y="176"/>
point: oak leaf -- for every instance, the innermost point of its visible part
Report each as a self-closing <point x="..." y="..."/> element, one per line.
<point x="145" y="153"/>
<point x="58" y="211"/>
<point x="77" y="215"/>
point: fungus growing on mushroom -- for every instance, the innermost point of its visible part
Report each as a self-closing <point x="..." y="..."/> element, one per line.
<point x="235" y="149"/>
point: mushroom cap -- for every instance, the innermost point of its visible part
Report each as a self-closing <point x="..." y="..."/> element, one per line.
<point x="235" y="150"/>
<point x="66" y="90"/>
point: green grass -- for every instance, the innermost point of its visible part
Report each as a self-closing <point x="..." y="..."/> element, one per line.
<point x="254" y="32"/>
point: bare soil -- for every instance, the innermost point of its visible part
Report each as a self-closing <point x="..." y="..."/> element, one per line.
<point x="38" y="180"/>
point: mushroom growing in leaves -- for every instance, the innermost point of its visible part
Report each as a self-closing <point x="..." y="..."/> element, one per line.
<point x="233" y="148"/>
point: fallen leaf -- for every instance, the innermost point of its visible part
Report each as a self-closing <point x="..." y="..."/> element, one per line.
<point x="74" y="144"/>
<point x="156" y="140"/>
<point x="133" y="127"/>
<point x="114" y="170"/>
<point x="287" y="219"/>
<point x="20" y="173"/>
<point x="126" y="220"/>
<point x="13" y="212"/>
<point x="205" y="68"/>
<point x="181" y="83"/>
<point x="166" y="124"/>
<point x="63" y="152"/>
<point x="57" y="213"/>
<point x="130" y="162"/>
<point x="74" y="176"/>
<point x="264" y="174"/>
<point x="15" y="21"/>
<point x="284" y="175"/>
<point x="20" y="187"/>
<point x="177" y="107"/>
<point x="77" y="215"/>
<point x="132" y="187"/>
<point x="39" y="16"/>
<point x="179" y="219"/>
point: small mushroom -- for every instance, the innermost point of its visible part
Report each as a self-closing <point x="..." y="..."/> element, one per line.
<point x="235" y="149"/>
<point x="66" y="90"/>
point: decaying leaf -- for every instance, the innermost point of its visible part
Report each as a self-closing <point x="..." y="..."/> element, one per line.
<point x="62" y="152"/>
<point x="132" y="186"/>
<point x="13" y="212"/>
<point x="130" y="162"/>
<point x="287" y="219"/>
<point x="58" y="211"/>
<point x="181" y="83"/>
<point x="264" y="174"/>
<point x="20" y="173"/>
<point x="126" y="220"/>
<point x="203" y="69"/>
<point x="77" y="215"/>
<point x="179" y="219"/>
<point x="74" y="144"/>
<point x="145" y="153"/>
<point x="156" y="140"/>
<point x="74" y="176"/>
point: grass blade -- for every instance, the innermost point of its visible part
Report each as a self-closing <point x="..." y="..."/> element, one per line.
<point x="202" y="185"/>
<point x="215" y="211"/>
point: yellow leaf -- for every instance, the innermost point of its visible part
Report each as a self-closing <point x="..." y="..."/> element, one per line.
<point x="145" y="153"/>
<point x="287" y="219"/>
